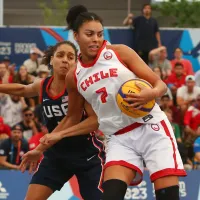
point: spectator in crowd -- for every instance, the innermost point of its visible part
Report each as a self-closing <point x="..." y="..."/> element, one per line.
<point x="197" y="78"/>
<point x="158" y="71"/>
<point x="34" y="141"/>
<point x="33" y="62"/>
<point x="4" y="130"/>
<point x="43" y="71"/>
<point x="177" y="132"/>
<point x="192" y="117"/>
<point x="9" y="66"/>
<point x="128" y="21"/>
<point x="30" y="127"/>
<point x="187" y="163"/>
<point x="5" y="76"/>
<point x="158" y="57"/>
<point x="13" y="148"/>
<point x="197" y="151"/>
<point x="24" y="78"/>
<point x="192" y="122"/>
<point x="147" y="36"/>
<point x="6" y="61"/>
<point x="166" y="104"/>
<point x="176" y="128"/>
<point x="11" y="108"/>
<point x="187" y="93"/>
<point x="178" y="54"/>
<point x="176" y="79"/>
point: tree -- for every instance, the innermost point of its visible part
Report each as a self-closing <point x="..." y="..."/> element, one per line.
<point x="56" y="14"/>
<point x="185" y="13"/>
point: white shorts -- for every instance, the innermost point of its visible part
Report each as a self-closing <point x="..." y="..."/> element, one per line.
<point x="153" y="143"/>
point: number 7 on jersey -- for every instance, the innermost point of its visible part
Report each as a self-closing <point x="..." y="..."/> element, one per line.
<point x="103" y="93"/>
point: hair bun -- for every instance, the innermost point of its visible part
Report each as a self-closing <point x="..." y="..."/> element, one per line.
<point x="73" y="14"/>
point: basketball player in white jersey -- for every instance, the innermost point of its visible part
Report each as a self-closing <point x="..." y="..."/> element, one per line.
<point x="100" y="72"/>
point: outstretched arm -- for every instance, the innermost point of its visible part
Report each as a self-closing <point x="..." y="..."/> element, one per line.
<point x="30" y="90"/>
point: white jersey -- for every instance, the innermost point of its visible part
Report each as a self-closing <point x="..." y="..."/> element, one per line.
<point x="99" y="83"/>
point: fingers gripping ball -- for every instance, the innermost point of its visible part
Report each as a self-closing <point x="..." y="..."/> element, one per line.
<point x="131" y="87"/>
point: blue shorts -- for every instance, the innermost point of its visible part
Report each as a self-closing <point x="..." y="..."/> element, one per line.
<point x="54" y="172"/>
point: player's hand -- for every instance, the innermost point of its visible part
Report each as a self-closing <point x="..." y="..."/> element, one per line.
<point x="30" y="159"/>
<point x="50" y="138"/>
<point x="137" y="101"/>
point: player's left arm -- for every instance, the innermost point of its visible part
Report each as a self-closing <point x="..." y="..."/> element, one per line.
<point x="135" y="64"/>
<point x="86" y="126"/>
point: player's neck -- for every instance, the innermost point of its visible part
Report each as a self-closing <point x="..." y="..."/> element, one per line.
<point x="58" y="83"/>
<point x="86" y="59"/>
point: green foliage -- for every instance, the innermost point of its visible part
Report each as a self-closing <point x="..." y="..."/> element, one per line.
<point x="184" y="13"/>
<point x="56" y="14"/>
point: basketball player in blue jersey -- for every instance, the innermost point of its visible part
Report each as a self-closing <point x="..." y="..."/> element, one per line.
<point x="82" y="156"/>
<point x="100" y="71"/>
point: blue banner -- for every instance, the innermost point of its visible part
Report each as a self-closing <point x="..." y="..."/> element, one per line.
<point x="14" y="184"/>
<point x="16" y="42"/>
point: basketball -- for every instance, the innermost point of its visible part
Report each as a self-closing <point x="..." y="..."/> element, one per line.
<point x="131" y="87"/>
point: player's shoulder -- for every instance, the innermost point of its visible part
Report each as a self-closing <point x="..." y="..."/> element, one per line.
<point x="118" y="47"/>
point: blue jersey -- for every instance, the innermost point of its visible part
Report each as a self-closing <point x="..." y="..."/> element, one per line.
<point x="54" y="110"/>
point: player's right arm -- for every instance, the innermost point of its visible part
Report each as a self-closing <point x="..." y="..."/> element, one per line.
<point x="69" y="126"/>
<point x="30" y="90"/>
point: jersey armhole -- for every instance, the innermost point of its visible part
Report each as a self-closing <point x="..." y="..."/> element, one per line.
<point x="41" y="90"/>
<point x="119" y="58"/>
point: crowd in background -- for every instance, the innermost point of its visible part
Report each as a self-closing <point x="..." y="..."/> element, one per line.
<point x="21" y="118"/>
<point x="21" y="121"/>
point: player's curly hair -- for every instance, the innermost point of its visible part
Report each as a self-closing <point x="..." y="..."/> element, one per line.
<point x="77" y="15"/>
<point x="52" y="49"/>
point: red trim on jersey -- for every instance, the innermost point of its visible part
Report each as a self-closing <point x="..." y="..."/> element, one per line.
<point x="41" y="89"/>
<point x="95" y="60"/>
<point x="75" y="78"/>
<point x="128" y="128"/>
<point x="167" y="172"/>
<point x="47" y="88"/>
<point x="119" y="58"/>
<point x="128" y="165"/>
<point x="102" y="163"/>
<point x="173" y="145"/>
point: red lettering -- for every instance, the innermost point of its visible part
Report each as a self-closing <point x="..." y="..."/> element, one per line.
<point x="113" y="72"/>
<point x="82" y="86"/>
<point x="96" y="78"/>
<point x="89" y="81"/>
<point x="106" y="75"/>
